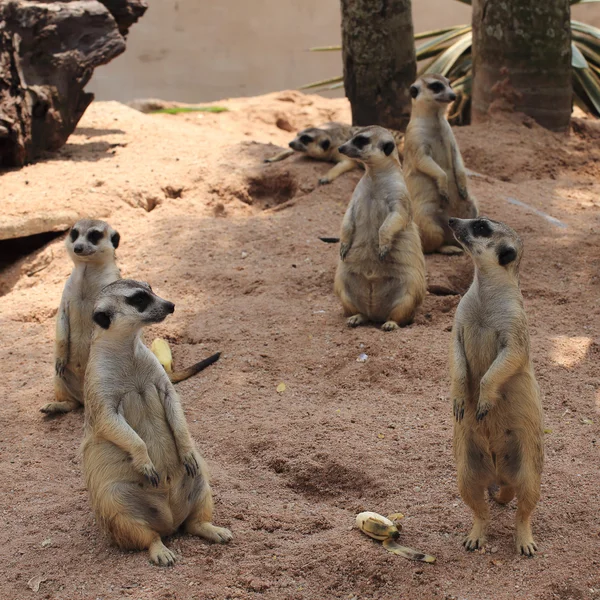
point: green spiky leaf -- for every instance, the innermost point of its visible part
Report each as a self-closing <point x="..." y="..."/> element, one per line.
<point x="447" y="59"/>
<point x="322" y="83"/>
<point x="577" y="59"/>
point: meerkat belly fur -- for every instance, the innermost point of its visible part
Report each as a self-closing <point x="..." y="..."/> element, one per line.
<point x="433" y="166"/>
<point x="91" y="244"/>
<point x="498" y="430"/>
<point x="381" y="272"/>
<point x="322" y="143"/>
<point x="144" y="475"/>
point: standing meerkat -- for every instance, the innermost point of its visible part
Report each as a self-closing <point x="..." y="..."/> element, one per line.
<point x="322" y="143"/>
<point x="144" y="475"/>
<point x="498" y="435"/>
<point x="381" y="272"/>
<point x="433" y="167"/>
<point x="91" y="244"/>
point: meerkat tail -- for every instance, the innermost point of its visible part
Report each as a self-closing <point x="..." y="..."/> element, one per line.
<point x="441" y="290"/>
<point x="330" y="240"/>
<point x="194" y="369"/>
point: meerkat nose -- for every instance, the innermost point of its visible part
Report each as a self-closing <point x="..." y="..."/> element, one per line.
<point x="170" y="307"/>
<point x="78" y="248"/>
<point x="452" y="96"/>
<point x="451" y="221"/>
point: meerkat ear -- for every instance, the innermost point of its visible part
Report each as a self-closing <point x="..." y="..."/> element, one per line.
<point x="388" y="148"/>
<point x="102" y="318"/>
<point x="414" y="91"/>
<point x="325" y="144"/>
<point x="115" y="238"/>
<point x="506" y="254"/>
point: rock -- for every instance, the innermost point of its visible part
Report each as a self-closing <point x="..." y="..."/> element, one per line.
<point x="48" y="53"/>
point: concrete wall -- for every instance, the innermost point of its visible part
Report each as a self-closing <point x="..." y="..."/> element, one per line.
<point x="200" y="50"/>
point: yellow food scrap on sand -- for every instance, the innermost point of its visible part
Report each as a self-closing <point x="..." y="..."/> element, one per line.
<point x="160" y="348"/>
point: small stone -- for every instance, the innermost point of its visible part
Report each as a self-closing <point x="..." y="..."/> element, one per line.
<point x="494" y="549"/>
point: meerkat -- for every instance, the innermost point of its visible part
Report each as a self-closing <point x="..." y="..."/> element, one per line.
<point x="433" y="167"/>
<point x="381" y="271"/>
<point x="322" y="143"/>
<point x="91" y="244"/>
<point x="498" y="430"/>
<point x="144" y="476"/>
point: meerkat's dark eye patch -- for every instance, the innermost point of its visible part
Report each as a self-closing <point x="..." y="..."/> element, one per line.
<point x="506" y="255"/>
<point x="414" y="91"/>
<point x="481" y="229"/>
<point x="388" y="148"/>
<point x="436" y="87"/>
<point x="140" y="300"/>
<point x="306" y="139"/>
<point x="115" y="238"/>
<point x="325" y="144"/>
<point x="74" y="234"/>
<point x="102" y="318"/>
<point x="94" y="236"/>
<point x="360" y="141"/>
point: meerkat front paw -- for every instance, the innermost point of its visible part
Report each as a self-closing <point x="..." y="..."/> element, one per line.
<point x="483" y="408"/>
<point x="463" y="192"/>
<point x="324" y="180"/>
<point x="60" y="365"/>
<point x="151" y="474"/>
<point x="191" y="463"/>
<point x="526" y="545"/>
<point x="383" y="251"/>
<point x="344" y="248"/>
<point x="474" y="540"/>
<point x="458" y="409"/>
<point x="390" y="326"/>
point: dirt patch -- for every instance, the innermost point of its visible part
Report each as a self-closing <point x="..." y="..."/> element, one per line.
<point x="291" y="469"/>
<point x="266" y="190"/>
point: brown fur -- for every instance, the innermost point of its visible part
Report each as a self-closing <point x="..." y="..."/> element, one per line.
<point x="433" y="167"/>
<point x="496" y="400"/>
<point x="381" y="272"/>
<point x="144" y="475"/>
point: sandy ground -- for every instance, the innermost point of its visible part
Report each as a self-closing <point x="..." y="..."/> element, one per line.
<point x="234" y="244"/>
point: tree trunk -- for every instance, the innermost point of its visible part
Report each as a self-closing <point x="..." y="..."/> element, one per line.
<point x="522" y="56"/>
<point x="48" y="52"/>
<point x="378" y="51"/>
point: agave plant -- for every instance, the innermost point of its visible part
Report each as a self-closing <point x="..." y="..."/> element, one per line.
<point x="448" y="52"/>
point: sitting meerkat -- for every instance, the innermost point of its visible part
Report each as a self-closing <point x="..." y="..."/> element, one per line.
<point x="321" y="143"/>
<point x="381" y="272"/>
<point x="433" y="166"/>
<point x="91" y="244"/>
<point x="498" y="435"/>
<point x="144" y="475"/>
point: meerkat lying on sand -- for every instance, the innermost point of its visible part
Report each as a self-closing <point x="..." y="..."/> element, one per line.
<point x="433" y="166"/>
<point x="91" y="244"/>
<point x="381" y="272"/>
<point x="144" y="475"/>
<point x="322" y="143"/>
<point x="498" y="435"/>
